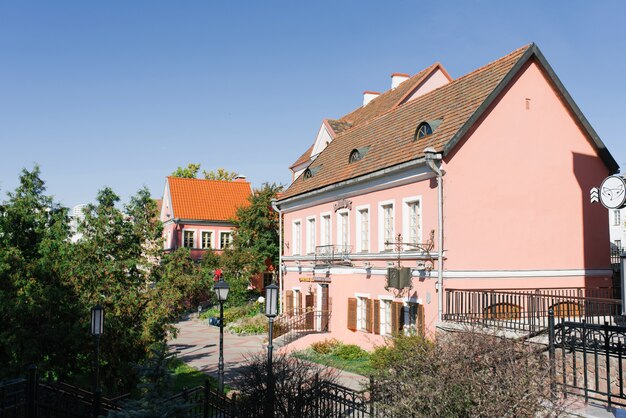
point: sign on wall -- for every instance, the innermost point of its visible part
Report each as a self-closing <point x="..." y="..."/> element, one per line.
<point x="612" y="192"/>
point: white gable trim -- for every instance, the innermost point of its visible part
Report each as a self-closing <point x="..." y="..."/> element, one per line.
<point x="325" y="136"/>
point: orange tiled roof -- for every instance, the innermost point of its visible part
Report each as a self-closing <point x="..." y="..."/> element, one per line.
<point x="390" y="135"/>
<point x="207" y="200"/>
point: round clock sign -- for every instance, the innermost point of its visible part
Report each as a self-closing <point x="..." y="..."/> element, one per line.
<point x="613" y="192"/>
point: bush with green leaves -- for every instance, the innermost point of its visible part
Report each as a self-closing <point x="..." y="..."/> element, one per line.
<point x="350" y="352"/>
<point x="257" y="324"/>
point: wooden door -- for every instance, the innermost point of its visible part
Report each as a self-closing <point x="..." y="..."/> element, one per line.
<point x="325" y="308"/>
<point x="309" y="304"/>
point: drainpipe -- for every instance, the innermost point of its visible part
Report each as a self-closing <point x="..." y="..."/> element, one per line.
<point x="430" y="156"/>
<point x="280" y="255"/>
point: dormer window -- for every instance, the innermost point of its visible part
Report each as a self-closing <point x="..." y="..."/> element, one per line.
<point x="310" y="172"/>
<point x="426" y="128"/>
<point x="423" y="130"/>
<point x="357" y="154"/>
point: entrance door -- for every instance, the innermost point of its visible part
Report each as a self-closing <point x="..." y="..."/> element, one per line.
<point x="309" y="306"/>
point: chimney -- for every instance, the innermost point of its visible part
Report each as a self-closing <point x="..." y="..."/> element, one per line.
<point x="368" y="96"/>
<point x="240" y="178"/>
<point x="397" y="78"/>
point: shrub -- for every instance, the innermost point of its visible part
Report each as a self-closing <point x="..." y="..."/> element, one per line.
<point x="326" y="346"/>
<point x="470" y="374"/>
<point x="349" y="352"/>
<point x="292" y="377"/>
<point x="249" y="325"/>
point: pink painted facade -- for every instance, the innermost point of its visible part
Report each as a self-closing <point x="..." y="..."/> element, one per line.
<point x="197" y="214"/>
<point x="516" y="213"/>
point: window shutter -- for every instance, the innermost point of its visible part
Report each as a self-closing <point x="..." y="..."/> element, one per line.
<point x="421" y="323"/>
<point x="368" y="315"/>
<point x="352" y="314"/>
<point x="376" y="317"/>
<point x="300" y="303"/>
<point x="397" y="314"/>
<point x="289" y="302"/>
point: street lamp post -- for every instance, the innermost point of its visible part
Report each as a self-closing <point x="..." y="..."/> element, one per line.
<point x="221" y="291"/>
<point x="97" y="327"/>
<point x="271" y="309"/>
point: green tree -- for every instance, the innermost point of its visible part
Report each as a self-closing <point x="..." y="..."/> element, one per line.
<point x="255" y="237"/>
<point x="220" y="174"/>
<point x="40" y="315"/>
<point x="189" y="172"/>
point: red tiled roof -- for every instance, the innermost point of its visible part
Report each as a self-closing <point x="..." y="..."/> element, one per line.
<point x="390" y="135"/>
<point x="207" y="200"/>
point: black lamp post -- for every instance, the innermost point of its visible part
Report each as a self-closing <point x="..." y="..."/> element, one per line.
<point x="97" y="327"/>
<point x="271" y="309"/>
<point x="221" y="291"/>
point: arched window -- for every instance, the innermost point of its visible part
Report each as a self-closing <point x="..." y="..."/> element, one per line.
<point x="355" y="155"/>
<point x="423" y="130"/>
<point x="307" y="174"/>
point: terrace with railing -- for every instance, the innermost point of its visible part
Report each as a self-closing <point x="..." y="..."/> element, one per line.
<point x="526" y="310"/>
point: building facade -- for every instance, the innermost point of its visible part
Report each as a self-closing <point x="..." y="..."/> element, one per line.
<point x="479" y="182"/>
<point x="197" y="214"/>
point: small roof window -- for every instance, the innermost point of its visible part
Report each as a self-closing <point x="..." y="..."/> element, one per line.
<point x="358" y="154"/>
<point x="310" y="172"/>
<point x="426" y="128"/>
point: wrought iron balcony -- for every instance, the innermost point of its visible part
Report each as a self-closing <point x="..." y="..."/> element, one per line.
<point x="332" y="254"/>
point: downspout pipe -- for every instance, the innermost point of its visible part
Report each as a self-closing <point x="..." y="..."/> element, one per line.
<point x="280" y="254"/>
<point x="430" y="156"/>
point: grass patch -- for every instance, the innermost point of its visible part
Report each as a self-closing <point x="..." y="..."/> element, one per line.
<point x="185" y="376"/>
<point x="360" y="365"/>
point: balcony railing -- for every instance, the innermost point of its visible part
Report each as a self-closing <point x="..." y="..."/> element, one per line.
<point x="527" y="310"/>
<point x="332" y="254"/>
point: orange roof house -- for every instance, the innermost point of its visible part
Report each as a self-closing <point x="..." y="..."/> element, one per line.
<point x="197" y="214"/>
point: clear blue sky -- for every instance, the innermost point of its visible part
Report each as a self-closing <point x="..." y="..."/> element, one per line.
<point x="120" y="93"/>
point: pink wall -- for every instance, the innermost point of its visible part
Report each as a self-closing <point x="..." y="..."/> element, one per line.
<point x="397" y="194"/>
<point x="516" y="192"/>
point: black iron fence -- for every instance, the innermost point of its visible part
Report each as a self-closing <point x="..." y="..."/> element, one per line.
<point x="32" y="398"/>
<point x="332" y="254"/>
<point x="588" y="360"/>
<point x="527" y="309"/>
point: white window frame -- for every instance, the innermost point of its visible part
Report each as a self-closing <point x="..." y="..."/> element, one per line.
<point x="406" y="220"/>
<point x="297" y="292"/>
<point x="617" y="217"/>
<point x="361" y="308"/>
<point x="168" y="240"/>
<point x="183" y="237"/>
<point x="212" y="243"/>
<point x="229" y="241"/>
<point x="296" y="230"/>
<point x="385" y="314"/>
<point x="340" y="236"/>
<point x="410" y="329"/>
<point x="359" y="228"/>
<point x="381" y="223"/>
<point x="311" y="238"/>
<point x="326" y="236"/>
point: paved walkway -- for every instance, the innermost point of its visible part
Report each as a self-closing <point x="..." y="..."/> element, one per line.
<point x="197" y="345"/>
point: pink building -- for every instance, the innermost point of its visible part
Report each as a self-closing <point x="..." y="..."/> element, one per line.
<point x="499" y="200"/>
<point x="197" y="214"/>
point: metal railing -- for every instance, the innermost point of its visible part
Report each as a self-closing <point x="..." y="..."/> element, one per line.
<point x="527" y="310"/>
<point x="303" y="322"/>
<point x="332" y="254"/>
<point x="587" y="360"/>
